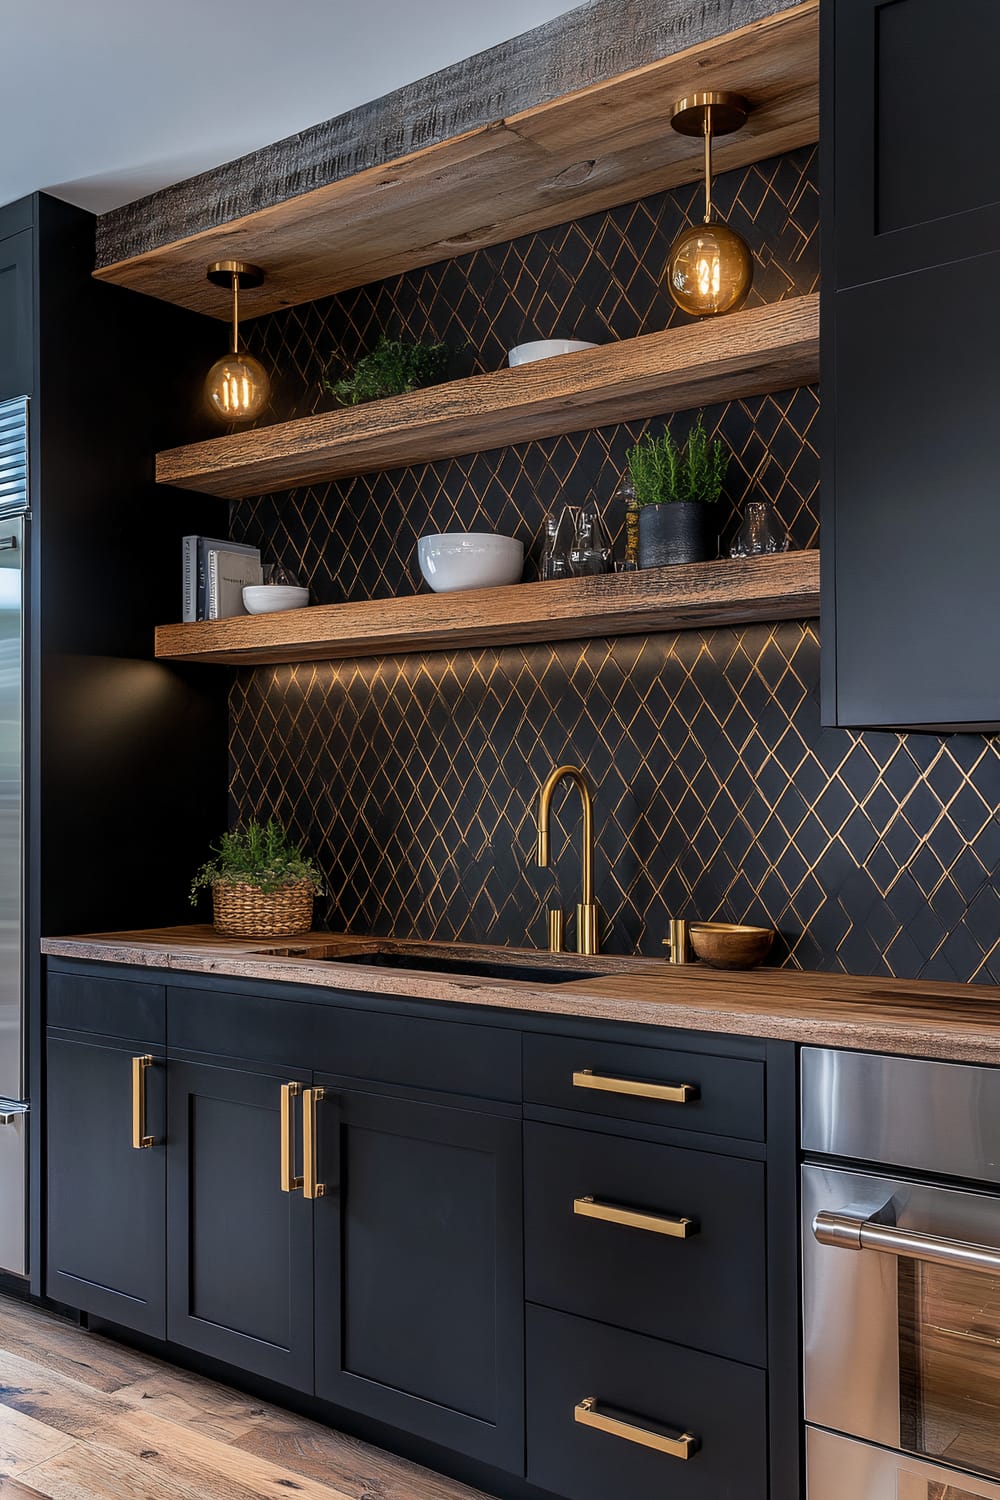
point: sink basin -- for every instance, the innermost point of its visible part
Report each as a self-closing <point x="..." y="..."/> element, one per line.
<point x="473" y="967"/>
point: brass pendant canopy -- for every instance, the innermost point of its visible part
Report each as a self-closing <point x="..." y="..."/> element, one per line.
<point x="237" y="386"/>
<point x="709" y="268"/>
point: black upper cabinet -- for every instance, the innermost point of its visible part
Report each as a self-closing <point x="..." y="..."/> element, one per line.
<point x="917" y="174"/>
<point x="419" y="1310"/>
<point x="911" y="375"/>
<point x="16" y="276"/>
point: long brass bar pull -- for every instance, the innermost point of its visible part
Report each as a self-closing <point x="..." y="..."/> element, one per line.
<point x="289" y="1181"/>
<point x="673" y="1093"/>
<point x="676" y="1227"/>
<point x="310" y="1144"/>
<point x="646" y="1434"/>
<point x="140" y="1140"/>
<point x="850" y="1232"/>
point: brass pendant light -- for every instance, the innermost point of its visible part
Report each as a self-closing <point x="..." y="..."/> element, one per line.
<point x="709" y="268"/>
<point x="236" y="387"/>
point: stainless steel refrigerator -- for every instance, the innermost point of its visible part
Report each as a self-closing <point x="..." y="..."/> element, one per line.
<point x="14" y="528"/>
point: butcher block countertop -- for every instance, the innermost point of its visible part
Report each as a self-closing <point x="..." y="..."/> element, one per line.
<point x="953" y="1021"/>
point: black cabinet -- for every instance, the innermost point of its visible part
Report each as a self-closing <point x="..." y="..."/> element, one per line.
<point x="601" y="1400"/>
<point x="16" y="296"/>
<point x="106" y="1178"/>
<point x="911" y="383"/>
<point x="418" y="1269"/>
<point x="239" y="1256"/>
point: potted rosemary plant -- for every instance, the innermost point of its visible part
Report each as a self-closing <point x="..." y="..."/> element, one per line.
<point x="262" y="883"/>
<point x="676" y="486"/>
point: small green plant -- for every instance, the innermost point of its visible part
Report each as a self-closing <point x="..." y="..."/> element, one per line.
<point x="391" y="368"/>
<point x="663" y="471"/>
<point x="257" y="854"/>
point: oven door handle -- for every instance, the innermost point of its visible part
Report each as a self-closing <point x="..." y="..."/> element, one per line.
<point x="851" y="1232"/>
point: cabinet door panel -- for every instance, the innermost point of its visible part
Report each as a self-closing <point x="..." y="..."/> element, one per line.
<point x="418" y="1270"/>
<point x="106" y="1200"/>
<point x="917" y="524"/>
<point x="914" y="186"/>
<point x="239" y="1248"/>
<point x="16" y="315"/>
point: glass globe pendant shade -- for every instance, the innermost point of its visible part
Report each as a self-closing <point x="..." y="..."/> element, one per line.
<point x="237" y="388"/>
<point x="709" y="270"/>
<point x="237" y="385"/>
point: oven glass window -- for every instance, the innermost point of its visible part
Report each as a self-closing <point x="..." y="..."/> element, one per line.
<point x="949" y="1367"/>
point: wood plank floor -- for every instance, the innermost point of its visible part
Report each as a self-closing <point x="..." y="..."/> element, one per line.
<point x="83" y="1418"/>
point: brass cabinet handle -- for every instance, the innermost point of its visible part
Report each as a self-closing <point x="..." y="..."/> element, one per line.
<point x="289" y="1181"/>
<point x="673" y="1093"/>
<point x="310" y="1145"/>
<point x="676" y="1227"/>
<point x="647" y="1434"/>
<point x="140" y="1140"/>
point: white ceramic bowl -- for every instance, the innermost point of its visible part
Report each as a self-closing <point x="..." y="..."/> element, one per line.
<point x="469" y="560"/>
<point x="264" y="598"/>
<point x="524" y="354"/>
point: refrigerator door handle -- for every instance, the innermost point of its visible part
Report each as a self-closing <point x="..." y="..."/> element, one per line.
<point x="12" y="1110"/>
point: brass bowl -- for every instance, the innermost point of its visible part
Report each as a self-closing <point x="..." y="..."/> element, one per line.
<point x="729" y="945"/>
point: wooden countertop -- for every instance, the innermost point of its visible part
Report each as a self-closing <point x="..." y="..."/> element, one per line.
<point x="952" y="1021"/>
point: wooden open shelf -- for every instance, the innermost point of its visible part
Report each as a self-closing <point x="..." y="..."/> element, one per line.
<point x="694" y="595"/>
<point x="746" y="354"/>
<point x="577" y="154"/>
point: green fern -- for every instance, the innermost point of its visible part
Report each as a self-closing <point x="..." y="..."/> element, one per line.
<point x="392" y="368"/>
<point x="663" y="472"/>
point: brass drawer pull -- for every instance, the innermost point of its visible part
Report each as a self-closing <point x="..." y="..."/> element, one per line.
<point x="648" y="1434"/>
<point x="140" y="1140"/>
<point x="310" y="1144"/>
<point x="676" y="1228"/>
<point x="289" y="1181"/>
<point x="673" y="1093"/>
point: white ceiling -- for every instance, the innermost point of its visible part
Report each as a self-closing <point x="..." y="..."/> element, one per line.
<point x="103" y="101"/>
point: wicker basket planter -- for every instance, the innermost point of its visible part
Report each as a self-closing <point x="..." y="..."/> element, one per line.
<point x="247" y="911"/>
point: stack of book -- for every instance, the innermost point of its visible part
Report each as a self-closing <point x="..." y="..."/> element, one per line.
<point x="215" y="573"/>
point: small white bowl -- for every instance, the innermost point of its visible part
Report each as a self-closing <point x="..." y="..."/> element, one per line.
<point x="469" y="560"/>
<point x="525" y="354"/>
<point x="265" y="598"/>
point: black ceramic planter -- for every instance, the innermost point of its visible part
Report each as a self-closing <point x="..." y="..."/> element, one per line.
<point x="681" y="532"/>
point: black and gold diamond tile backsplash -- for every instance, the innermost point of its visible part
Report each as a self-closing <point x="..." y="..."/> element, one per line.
<point x="412" y="778"/>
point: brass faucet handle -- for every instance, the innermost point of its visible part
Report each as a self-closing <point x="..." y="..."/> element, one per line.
<point x="586" y="929"/>
<point x="555" y="929"/>
<point x="678" y="942"/>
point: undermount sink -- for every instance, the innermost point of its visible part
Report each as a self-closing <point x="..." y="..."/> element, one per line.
<point x="474" y="968"/>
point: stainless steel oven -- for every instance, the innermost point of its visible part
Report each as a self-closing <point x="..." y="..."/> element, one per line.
<point x="901" y="1277"/>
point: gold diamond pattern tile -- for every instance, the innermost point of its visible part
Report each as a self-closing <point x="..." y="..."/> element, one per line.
<point x="412" y="779"/>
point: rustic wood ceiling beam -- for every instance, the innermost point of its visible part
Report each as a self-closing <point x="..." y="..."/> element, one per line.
<point x="499" y="125"/>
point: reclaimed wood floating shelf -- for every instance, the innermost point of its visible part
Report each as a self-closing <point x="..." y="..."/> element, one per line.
<point x="580" y="153"/>
<point x="768" y="348"/>
<point x="692" y="596"/>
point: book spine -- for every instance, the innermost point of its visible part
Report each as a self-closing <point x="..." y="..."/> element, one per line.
<point x="189" y="574"/>
<point x="212" y="587"/>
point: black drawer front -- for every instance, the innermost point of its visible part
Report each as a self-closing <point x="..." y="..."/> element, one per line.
<point x="725" y="1095"/>
<point x="642" y="1380"/>
<point x="111" y="1007"/>
<point x="441" y="1056"/>
<point x="707" y="1290"/>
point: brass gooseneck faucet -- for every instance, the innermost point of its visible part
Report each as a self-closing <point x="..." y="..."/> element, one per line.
<point x="586" y="912"/>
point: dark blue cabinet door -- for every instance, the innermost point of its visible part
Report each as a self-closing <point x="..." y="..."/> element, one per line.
<point x="16" y="315"/>
<point x="106" y="1199"/>
<point x="239" y="1248"/>
<point x="418" y="1270"/>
